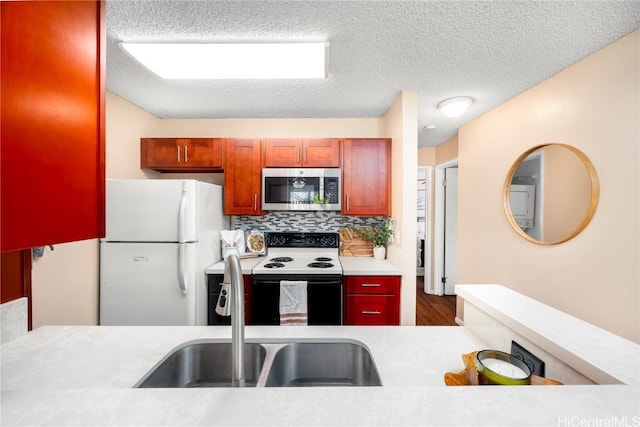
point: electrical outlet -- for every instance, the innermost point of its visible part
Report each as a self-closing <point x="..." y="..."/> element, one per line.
<point x="533" y="362"/>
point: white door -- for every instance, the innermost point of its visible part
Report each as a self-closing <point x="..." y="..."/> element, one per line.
<point x="150" y="210"/>
<point x="450" y="230"/>
<point x="140" y="284"/>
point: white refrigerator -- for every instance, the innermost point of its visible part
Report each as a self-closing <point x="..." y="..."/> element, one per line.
<point x="161" y="235"/>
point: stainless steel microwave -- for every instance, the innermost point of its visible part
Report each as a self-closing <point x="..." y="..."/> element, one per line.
<point x="301" y="189"/>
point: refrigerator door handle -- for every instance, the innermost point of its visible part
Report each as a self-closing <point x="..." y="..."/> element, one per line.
<point x="182" y="214"/>
<point x="182" y="278"/>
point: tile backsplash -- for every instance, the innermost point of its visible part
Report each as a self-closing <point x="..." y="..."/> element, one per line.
<point x="301" y="221"/>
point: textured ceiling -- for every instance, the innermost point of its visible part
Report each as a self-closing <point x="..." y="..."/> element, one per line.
<point x="490" y="50"/>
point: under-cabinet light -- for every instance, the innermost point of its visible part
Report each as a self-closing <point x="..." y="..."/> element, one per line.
<point x="232" y="60"/>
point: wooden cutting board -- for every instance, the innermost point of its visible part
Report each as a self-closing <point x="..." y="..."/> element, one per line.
<point x="352" y="245"/>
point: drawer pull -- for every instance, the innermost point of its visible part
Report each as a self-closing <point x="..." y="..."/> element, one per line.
<point x="374" y="313"/>
<point x="370" y="285"/>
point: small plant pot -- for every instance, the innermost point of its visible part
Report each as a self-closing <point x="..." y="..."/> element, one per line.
<point x="379" y="252"/>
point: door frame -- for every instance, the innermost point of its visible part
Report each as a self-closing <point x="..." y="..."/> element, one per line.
<point x="437" y="287"/>
<point x="428" y="241"/>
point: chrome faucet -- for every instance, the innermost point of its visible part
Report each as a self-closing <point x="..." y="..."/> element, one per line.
<point x="231" y="302"/>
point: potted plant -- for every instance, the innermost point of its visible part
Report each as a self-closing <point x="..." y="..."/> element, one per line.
<point x="379" y="236"/>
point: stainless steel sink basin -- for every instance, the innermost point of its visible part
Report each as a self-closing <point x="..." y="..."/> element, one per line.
<point x="278" y="363"/>
<point x="203" y="364"/>
<point x="314" y="364"/>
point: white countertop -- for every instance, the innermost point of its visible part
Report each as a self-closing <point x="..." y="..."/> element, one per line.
<point x="351" y="266"/>
<point x="83" y="376"/>
<point x="368" y="266"/>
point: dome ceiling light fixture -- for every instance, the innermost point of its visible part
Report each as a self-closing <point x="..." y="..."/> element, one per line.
<point x="455" y="107"/>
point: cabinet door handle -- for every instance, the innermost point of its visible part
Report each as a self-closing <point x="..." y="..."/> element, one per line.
<point x="178" y="154"/>
<point x="186" y="154"/>
<point x="370" y="312"/>
<point x="305" y="154"/>
<point x="255" y="202"/>
<point x="347" y="202"/>
<point x="371" y="285"/>
<point x="297" y="154"/>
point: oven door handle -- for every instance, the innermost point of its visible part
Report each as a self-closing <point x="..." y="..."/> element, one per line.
<point x="313" y="282"/>
<point x="262" y="281"/>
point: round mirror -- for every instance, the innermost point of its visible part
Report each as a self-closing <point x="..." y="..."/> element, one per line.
<point x="551" y="193"/>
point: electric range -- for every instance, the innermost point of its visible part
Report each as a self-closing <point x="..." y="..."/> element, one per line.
<point x="301" y="253"/>
<point x="309" y="257"/>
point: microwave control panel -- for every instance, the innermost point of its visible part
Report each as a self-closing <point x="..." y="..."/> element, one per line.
<point x="331" y="189"/>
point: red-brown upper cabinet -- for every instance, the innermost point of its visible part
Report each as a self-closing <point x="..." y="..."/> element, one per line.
<point x="242" y="177"/>
<point x="302" y="153"/>
<point x="366" y="177"/>
<point x="181" y="154"/>
<point x="52" y="114"/>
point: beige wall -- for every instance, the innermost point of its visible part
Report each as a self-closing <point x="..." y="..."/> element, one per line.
<point x="426" y="156"/>
<point x="442" y="153"/>
<point x="593" y="105"/>
<point x="400" y="124"/>
<point x="126" y="123"/>
<point x="447" y="151"/>
<point x="65" y="285"/>
<point x="273" y="128"/>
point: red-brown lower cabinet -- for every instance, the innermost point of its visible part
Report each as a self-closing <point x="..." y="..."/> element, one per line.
<point x="372" y="300"/>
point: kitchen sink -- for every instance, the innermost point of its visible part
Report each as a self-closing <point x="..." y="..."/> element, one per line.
<point x="314" y="364"/>
<point x="203" y="364"/>
<point x="278" y="363"/>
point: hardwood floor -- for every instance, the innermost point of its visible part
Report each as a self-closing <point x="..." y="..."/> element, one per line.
<point x="434" y="310"/>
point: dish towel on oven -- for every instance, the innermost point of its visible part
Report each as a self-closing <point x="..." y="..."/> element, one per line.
<point x="293" y="302"/>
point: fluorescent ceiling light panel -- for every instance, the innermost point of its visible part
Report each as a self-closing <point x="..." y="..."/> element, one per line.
<point x="232" y="60"/>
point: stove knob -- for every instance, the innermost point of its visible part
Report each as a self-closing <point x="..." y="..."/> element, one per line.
<point x="328" y="241"/>
<point x="275" y="241"/>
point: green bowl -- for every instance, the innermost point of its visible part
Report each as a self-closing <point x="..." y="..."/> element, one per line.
<point x="500" y="368"/>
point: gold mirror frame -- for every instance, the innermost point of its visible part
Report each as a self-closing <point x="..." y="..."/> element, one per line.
<point x="593" y="204"/>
